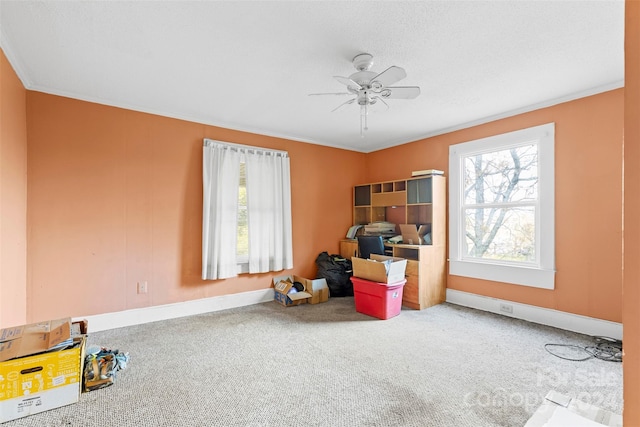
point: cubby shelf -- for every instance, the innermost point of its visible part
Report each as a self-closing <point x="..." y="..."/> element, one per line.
<point x="423" y="200"/>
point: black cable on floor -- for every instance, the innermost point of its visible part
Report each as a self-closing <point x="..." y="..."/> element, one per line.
<point x="587" y="357"/>
<point x="605" y="348"/>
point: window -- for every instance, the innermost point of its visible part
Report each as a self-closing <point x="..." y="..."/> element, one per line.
<point x="246" y="217"/>
<point x="501" y="208"/>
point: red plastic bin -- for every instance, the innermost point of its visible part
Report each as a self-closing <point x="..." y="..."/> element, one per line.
<point x="375" y="299"/>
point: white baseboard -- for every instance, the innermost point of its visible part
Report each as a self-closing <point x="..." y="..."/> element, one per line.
<point x="545" y="316"/>
<point x="102" y="322"/>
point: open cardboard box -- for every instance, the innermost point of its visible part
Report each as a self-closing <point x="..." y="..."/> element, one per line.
<point x="380" y="268"/>
<point x="18" y="341"/>
<point x="32" y="379"/>
<point x="315" y="290"/>
<point x="412" y="235"/>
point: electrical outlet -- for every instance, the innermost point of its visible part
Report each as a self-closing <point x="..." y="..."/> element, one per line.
<point x="506" y="308"/>
<point x="142" y="287"/>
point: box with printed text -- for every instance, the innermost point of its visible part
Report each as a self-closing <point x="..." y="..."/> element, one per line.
<point x="313" y="291"/>
<point x="46" y="379"/>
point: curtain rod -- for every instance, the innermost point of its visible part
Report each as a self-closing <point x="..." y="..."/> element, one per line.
<point x="208" y="141"/>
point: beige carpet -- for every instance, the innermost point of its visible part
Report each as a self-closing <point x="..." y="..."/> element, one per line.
<point x="327" y="365"/>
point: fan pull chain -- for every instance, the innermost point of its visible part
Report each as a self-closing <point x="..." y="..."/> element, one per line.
<point x="363" y="117"/>
<point x="366" y="113"/>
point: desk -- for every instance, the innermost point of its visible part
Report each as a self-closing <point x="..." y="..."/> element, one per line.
<point x="425" y="273"/>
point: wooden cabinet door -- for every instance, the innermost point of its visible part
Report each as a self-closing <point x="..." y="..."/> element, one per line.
<point x="348" y="248"/>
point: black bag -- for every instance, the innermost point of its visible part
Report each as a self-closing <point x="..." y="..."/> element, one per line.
<point x="337" y="271"/>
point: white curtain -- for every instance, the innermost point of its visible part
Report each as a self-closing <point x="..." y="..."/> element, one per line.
<point x="268" y="209"/>
<point x="221" y="177"/>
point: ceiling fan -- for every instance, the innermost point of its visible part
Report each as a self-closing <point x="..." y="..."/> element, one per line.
<point x="371" y="89"/>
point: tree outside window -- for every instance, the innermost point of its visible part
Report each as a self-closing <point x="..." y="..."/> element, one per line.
<point x="500" y="196"/>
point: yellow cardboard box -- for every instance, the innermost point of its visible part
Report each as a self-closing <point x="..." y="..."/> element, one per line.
<point x="40" y="382"/>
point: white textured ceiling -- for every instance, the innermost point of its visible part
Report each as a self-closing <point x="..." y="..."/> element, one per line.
<point x="250" y="65"/>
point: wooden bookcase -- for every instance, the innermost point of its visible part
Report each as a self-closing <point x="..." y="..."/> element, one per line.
<point x="419" y="200"/>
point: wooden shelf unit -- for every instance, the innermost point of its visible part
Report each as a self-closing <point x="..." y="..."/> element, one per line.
<point x="425" y="274"/>
<point x="424" y="201"/>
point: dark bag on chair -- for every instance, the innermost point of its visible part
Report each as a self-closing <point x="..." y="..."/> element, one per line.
<point x="337" y="271"/>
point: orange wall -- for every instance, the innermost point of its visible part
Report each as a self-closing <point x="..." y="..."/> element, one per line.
<point x="13" y="197"/>
<point x="631" y="316"/>
<point x="115" y="197"/>
<point x="588" y="201"/>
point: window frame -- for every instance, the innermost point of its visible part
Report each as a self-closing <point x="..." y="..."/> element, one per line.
<point x="539" y="274"/>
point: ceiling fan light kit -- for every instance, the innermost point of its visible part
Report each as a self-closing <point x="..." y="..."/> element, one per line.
<point x="369" y="87"/>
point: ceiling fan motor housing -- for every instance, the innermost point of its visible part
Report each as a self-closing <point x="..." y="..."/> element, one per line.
<point x="364" y="98"/>
<point x="363" y="78"/>
<point x="363" y="62"/>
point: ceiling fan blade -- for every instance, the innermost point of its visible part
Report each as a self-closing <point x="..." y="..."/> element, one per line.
<point x="347" y="82"/>
<point x="351" y="101"/>
<point x="390" y="76"/>
<point x="400" y="92"/>
<point x="330" y="93"/>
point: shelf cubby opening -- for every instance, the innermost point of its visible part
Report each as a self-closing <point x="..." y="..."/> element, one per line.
<point x="420" y="214"/>
<point x="379" y="213"/>
<point x="407" y="253"/>
<point x="362" y="195"/>
<point x="361" y="215"/>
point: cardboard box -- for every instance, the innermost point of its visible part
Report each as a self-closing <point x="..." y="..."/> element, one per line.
<point x="315" y="290"/>
<point x="40" y="382"/>
<point x="318" y="289"/>
<point x="412" y="235"/>
<point x="380" y="268"/>
<point x="24" y="340"/>
<point x="282" y="285"/>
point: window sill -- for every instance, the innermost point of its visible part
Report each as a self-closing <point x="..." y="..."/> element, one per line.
<point x="243" y="267"/>
<point x="524" y="276"/>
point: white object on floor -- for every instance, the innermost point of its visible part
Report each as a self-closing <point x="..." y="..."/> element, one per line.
<point x="559" y="410"/>
<point x="558" y="398"/>
<point x="562" y="417"/>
